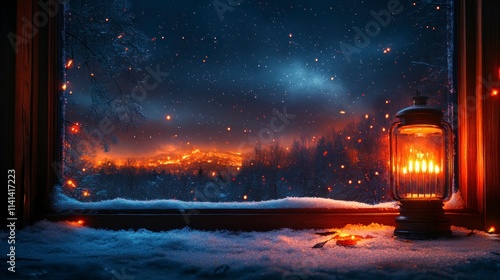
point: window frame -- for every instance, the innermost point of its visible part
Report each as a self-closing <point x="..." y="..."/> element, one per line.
<point x="36" y="128"/>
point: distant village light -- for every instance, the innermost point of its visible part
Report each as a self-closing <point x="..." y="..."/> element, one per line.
<point x="69" y="63"/>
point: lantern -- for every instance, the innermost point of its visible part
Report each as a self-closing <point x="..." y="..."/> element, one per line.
<point x="421" y="170"/>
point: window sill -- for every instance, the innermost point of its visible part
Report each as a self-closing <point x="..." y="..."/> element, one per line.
<point x="248" y="219"/>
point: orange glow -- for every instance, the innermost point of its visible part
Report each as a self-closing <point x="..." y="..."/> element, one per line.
<point x="348" y="240"/>
<point x="186" y="161"/>
<point x="86" y="193"/>
<point x="245" y="197"/>
<point x="494" y="92"/>
<point x="71" y="183"/>
<point x="491" y="230"/>
<point x="69" y="63"/>
<point x="78" y="223"/>
<point x="168" y="117"/>
<point x="64" y="87"/>
<point x="75" y="129"/>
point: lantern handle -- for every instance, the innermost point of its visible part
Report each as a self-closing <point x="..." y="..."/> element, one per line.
<point x="419" y="100"/>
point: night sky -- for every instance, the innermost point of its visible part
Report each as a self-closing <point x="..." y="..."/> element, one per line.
<point x="226" y="75"/>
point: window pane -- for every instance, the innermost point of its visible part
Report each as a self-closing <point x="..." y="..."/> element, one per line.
<point x="242" y="100"/>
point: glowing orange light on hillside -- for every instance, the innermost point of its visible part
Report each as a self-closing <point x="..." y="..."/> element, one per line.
<point x="491" y="230"/>
<point x="78" y="223"/>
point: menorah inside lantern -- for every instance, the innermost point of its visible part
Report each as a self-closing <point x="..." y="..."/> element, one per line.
<point x="421" y="175"/>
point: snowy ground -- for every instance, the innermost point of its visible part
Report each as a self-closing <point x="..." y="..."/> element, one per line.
<point x="69" y="251"/>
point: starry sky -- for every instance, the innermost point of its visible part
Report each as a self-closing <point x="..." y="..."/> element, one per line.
<point x="231" y="71"/>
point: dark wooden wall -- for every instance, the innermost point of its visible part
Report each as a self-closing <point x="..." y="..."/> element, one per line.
<point x="29" y="100"/>
<point x="491" y="111"/>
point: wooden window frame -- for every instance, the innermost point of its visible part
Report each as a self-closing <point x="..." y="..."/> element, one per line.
<point x="33" y="128"/>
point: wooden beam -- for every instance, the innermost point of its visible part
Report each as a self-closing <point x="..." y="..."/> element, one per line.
<point x="491" y="111"/>
<point x="23" y="119"/>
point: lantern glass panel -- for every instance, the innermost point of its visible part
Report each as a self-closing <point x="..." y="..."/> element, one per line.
<point x="420" y="163"/>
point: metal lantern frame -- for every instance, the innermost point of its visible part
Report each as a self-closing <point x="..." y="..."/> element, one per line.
<point x="421" y="162"/>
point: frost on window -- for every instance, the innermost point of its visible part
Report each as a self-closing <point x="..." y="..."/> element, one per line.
<point x="243" y="100"/>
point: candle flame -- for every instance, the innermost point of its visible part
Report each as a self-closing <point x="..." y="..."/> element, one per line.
<point x="422" y="164"/>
